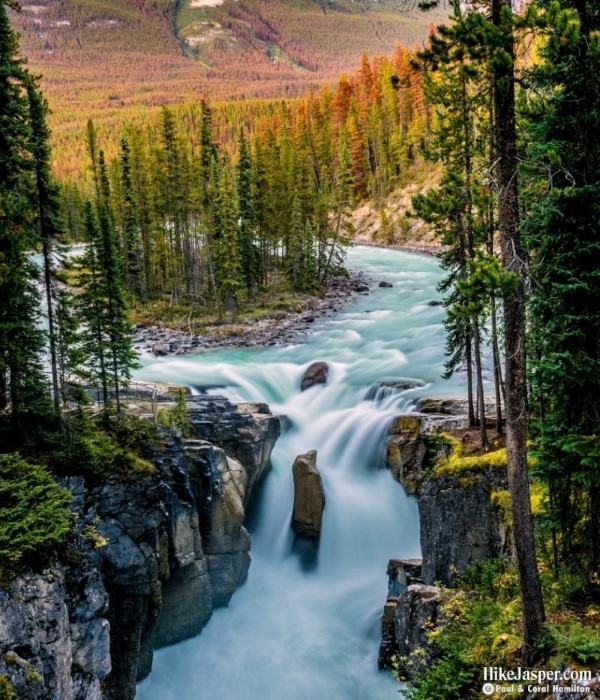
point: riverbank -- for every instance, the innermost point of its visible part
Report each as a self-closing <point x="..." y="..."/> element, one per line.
<point x="276" y="325"/>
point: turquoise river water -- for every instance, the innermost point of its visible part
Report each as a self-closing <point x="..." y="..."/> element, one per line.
<point x="292" y="633"/>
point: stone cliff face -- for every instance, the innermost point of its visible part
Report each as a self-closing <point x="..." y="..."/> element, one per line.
<point x="459" y="526"/>
<point x="170" y="546"/>
<point x="54" y="635"/>
<point x="459" y="523"/>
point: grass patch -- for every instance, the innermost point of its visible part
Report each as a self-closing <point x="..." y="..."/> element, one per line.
<point x="538" y="493"/>
<point x="457" y="463"/>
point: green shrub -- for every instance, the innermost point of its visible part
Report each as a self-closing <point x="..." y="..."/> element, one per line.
<point x="133" y="433"/>
<point x="98" y="456"/>
<point x="576" y="642"/>
<point x="93" y="448"/>
<point x="34" y="511"/>
<point x="7" y="691"/>
<point x="177" y="416"/>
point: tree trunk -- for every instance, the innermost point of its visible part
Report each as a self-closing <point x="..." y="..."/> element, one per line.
<point x="514" y="324"/>
<point x="469" y="362"/>
<point x="480" y="394"/>
<point x="498" y="387"/>
<point x="51" y="329"/>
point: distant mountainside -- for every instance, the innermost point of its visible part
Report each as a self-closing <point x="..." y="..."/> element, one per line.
<point x="99" y="58"/>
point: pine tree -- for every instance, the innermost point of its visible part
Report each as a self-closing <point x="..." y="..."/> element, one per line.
<point x="90" y="309"/>
<point x="455" y="83"/>
<point x="117" y="328"/>
<point x="228" y="259"/>
<point x="506" y="171"/>
<point x="497" y="44"/>
<point x="564" y="246"/>
<point x="341" y="226"/>
<point x="50" y="223"/>
<point x="101" y="307"/>
<point x="247" y="216"/>
<point x="21" y="340"/>
<point x="132" y="248"/>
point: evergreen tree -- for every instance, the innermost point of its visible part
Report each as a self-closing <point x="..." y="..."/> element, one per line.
<point x="456" y="84"/>
<point x="564" y="245"/>
<point x="341" y="206"/>
<point x="50" y="223"/>
<point x="227" y="243"/>
<point x="501" y="43"/>
<point x="497" y="43"/>
<point x="116" y="325"/>
<point x="101" y="308"/>
<point x="70" y="354"/>
<point x="132" y="248"/>
<point x="90" y="309"/>
<point x="247" y="216"/>
<point x="21" y="341"/>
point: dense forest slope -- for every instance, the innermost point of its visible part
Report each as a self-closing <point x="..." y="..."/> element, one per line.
<point x="108" y="59"/>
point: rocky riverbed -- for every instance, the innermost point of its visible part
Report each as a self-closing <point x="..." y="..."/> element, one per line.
<point x="279" y="327"/>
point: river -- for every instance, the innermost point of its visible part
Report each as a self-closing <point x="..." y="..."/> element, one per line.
<point x="298" y="632"/>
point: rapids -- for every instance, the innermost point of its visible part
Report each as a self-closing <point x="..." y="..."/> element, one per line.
<point x="308" y="632"/>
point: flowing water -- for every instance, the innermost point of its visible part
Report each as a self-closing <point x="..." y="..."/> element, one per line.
<point x="293" y="631"/>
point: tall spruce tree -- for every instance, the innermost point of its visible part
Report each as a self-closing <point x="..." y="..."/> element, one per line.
<point x="116" y="325"/>
<point x="21" y="340"/>
<point x="228" y="259"/>
<point x="247" y="216"/>
<point x="90" y="308"/>
<point x="131" y="234"/>
<point x="503" y="64"/>
<point x="564" y="244"/>
<point x="498" y="44"/>
<point x="456" y="84"/>
<point x="50" y="223"/>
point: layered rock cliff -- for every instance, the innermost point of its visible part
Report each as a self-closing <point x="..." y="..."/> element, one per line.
<point x="460" y="523"/>
<point x="156" y="554"/>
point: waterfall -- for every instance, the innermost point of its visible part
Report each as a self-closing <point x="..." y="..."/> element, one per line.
<point x="299" y="632"/>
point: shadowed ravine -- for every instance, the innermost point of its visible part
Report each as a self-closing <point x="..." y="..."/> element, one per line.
<point x="294" y="631"/>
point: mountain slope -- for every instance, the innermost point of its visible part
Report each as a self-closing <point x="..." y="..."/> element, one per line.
<point x="106" y="59"/>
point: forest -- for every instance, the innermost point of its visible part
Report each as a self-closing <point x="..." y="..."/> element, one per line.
<point x="210" y="208"/>
<point x="118" y="62"/>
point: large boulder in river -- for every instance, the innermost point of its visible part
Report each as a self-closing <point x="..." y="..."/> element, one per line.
<point x="317" y="373"/>
<point x="309" y="496"/>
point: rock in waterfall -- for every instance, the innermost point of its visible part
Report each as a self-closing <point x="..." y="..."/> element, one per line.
<point x="309" y="496"/>
<point x="317" y="373"/>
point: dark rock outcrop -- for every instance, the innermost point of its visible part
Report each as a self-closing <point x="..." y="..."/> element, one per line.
<point x="309" y="496"/>
<point x="157" y="553"/>
<point x="417" y="613"/>
<point x="316" y="373"/>
<point x="385" y="285"/>
<point x="401" y="574"/>
<point x="54" y="636"/>
<point x="248" y="434"/>
<point x="460" y="524"/>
